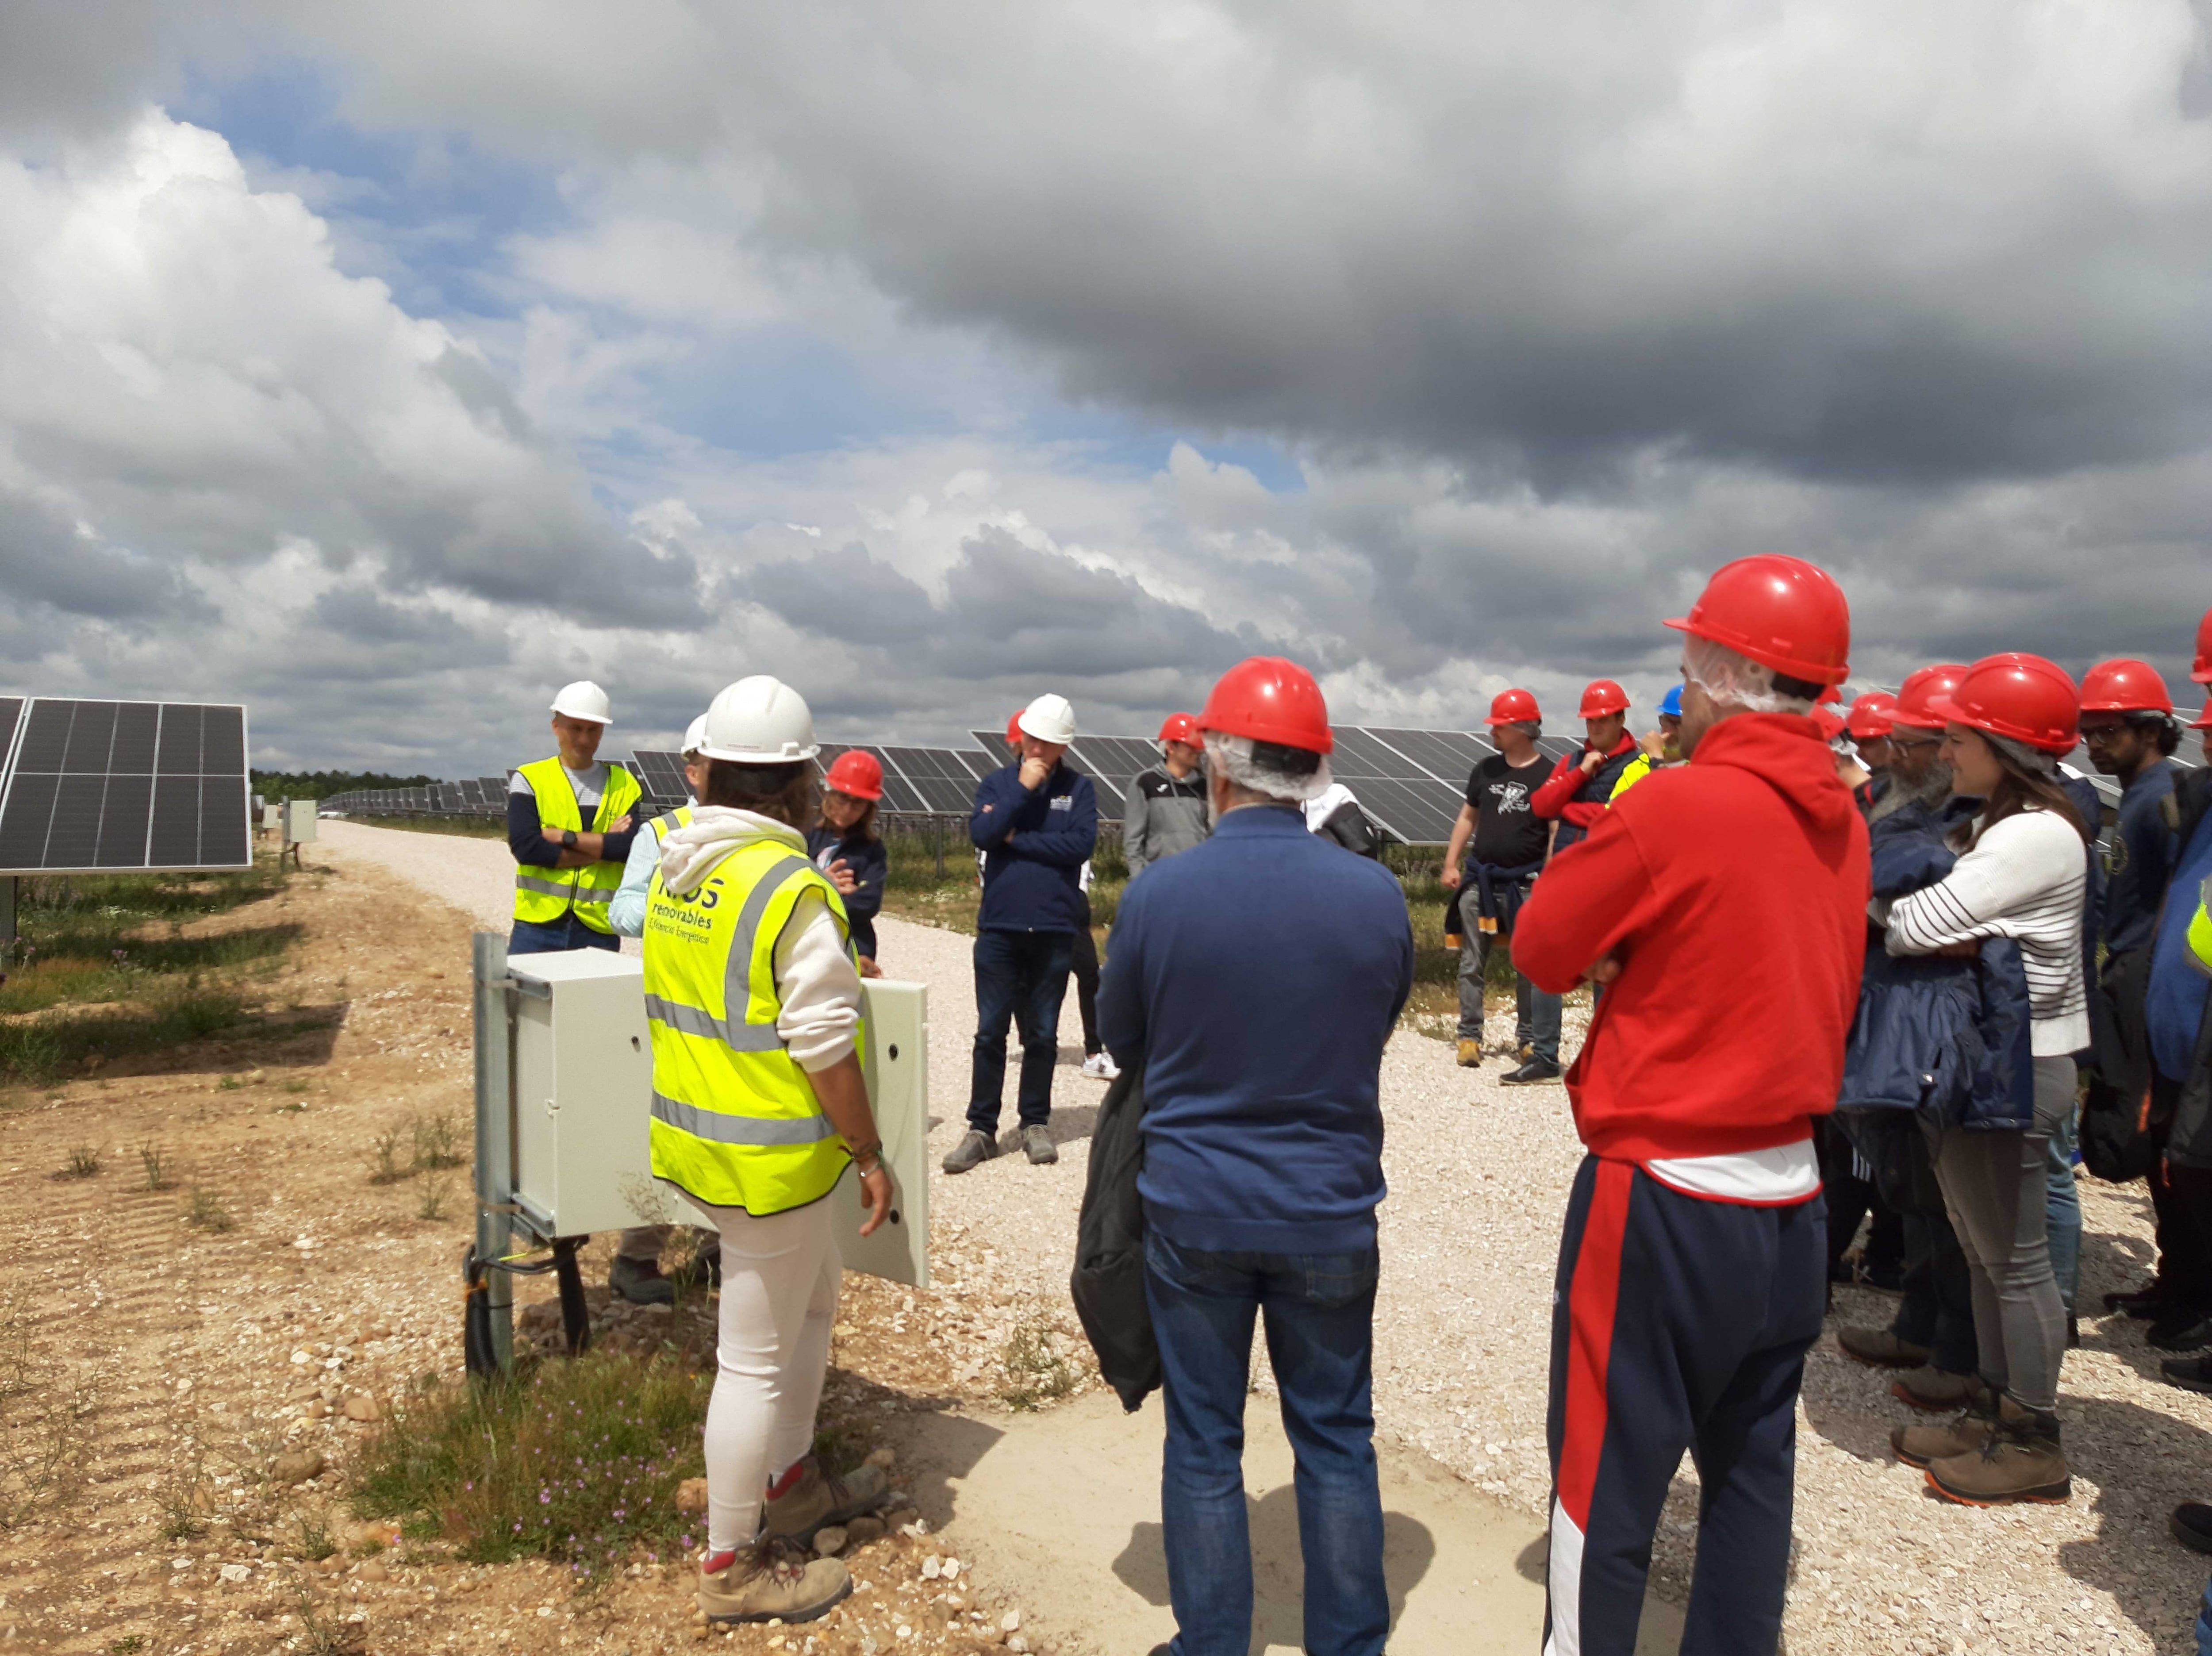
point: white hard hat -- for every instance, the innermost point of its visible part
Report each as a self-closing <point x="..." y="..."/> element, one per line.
<point x="695" y="735"/>
<point x="1049" y="718"/>
<point x="758" y="720"/>
<point x="584" y="700"/>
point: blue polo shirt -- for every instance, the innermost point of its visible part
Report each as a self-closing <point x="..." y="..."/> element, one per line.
<point x="1256" y="978"/>
<point x="2140" y="861"/>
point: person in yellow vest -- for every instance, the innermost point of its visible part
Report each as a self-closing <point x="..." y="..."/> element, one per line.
<point x="570" y="824"/>
<point x="753" y="998"/>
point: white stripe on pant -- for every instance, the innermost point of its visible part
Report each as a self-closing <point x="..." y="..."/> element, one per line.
<point x="779" y="1277"/>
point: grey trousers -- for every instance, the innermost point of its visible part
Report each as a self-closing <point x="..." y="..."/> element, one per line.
<point x="1994" y="1188"/>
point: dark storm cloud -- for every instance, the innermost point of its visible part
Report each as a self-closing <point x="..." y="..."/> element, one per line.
<point x="44" y="562"/>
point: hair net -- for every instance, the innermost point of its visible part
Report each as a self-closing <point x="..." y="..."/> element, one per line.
<point x="1233" y="756"/>
<point x="2021" y="756"/>
<point x="1735" y="680"/>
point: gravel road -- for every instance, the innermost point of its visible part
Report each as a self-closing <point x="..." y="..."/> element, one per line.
<point x="1479" y="1176"/>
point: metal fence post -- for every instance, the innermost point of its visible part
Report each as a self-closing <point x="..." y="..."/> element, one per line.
<point x="494" y="1042"/>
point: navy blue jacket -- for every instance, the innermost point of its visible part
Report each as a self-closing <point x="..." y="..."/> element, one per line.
<point x="2141" y="860"/>
<point x="1032" y="884"/>
<point x="1946" y="1038"/>
<point x="868" y="862"/>
<point x="1256" y="979"/>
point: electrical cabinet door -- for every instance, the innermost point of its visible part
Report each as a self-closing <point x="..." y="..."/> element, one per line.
<point x="897" y="1065"/>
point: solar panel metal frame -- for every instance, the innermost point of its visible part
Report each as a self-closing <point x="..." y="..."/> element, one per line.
<point x="11" y="773"/>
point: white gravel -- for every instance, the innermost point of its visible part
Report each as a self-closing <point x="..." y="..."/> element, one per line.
<point x="1479" y="1176"/>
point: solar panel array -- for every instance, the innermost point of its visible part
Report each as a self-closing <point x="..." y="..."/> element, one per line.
<point x="93" y="786"/>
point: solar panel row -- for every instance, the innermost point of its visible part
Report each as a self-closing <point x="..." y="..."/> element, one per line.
<point x="94" y="785"/>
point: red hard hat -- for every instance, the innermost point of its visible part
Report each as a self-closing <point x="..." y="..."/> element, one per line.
<point x="1014" y="728"/>
<point x="2125" y="686"/>
<point x="1270" y="700"/>
<point x="1916" y="700"/>
<point x="1181" y="727"/>
<point x="1780" y="612"/>
<point x="858" y="772"/>
<point x="2022" y="696"/>
<point x="1870" y="716"/>
<point x="1513" y="707"/>
<point x="2202" y="673"/>
<point x="1602" y="698"/>
<point x="2204" y="720"/>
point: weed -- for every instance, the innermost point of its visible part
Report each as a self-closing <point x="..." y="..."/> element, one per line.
<point x="386" y="1169"/>
<point x="83" y="1162"/>
<point x="206" y="1212"/>
<point x="296" y="1085"/>
<point x="184" y="1497"/>
<point x="44" y="1407"/>
<point x="316" y="1541"/>
<point x="323" y="1630"/>
<point x="129" y="1645"/>
<point x="431" y="1204"/>
<point x="292" y="1108"/>
<point x="229" y="1084"/>
<point x="161" y="1167"/>
<point x="1037" y="1372"/>
<point x="437" y="1140"/>
<point x="577" y="1462"/>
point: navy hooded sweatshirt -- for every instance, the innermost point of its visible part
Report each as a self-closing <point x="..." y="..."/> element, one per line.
<point x="1035" y="843"/>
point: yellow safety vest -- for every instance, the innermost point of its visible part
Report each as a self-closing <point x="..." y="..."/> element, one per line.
<point x="1637" y="769"/>
<point x="2199" y="937"/>
<point x="544" y="896"/>
<point x="735" y="1121"/>
<point x="679" y="818"/>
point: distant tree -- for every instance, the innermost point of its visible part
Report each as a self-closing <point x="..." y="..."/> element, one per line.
<point x="321" y="784"/>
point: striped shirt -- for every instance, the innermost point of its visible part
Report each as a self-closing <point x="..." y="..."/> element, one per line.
<point x="2026" y="879"/>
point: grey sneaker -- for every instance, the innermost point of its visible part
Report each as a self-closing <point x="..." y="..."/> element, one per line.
<point x="975" y="1148"/>
<point x="1037" y="1141"/>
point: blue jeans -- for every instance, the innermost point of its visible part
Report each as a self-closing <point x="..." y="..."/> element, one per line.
<point x="1020" y="977"/>
<point x="2062" y="1208"/>
<point x="555" y="936"/>
<point x="2204" y="1624"/>
<point x="1319" y="1311"/>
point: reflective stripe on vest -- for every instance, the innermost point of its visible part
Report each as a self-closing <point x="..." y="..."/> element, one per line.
<point x="734" y="1119"/>
<point x="547" y="896"/>
<point x="2199" y="937"/>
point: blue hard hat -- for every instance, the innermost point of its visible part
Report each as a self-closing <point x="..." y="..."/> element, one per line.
<point x="1671" y="703"/>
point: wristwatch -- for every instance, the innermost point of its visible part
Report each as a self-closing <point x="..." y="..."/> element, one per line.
<point x="568" y="838"/>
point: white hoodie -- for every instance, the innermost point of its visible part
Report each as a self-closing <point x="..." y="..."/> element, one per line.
<point x="817" y="982"/>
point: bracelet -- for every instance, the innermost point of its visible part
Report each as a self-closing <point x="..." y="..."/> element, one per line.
<point x="875" y="1165"/>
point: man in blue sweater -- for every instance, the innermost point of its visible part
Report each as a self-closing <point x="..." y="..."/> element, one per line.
<point x="1256" y="978"/>
<point x="1037" y="823"/>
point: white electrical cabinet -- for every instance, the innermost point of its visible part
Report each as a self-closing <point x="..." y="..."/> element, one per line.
<point x="583" y="1087"/>
<point x="582" y="1076"/>
<point x="272" y="818"/>
<point x="300" y="821"/>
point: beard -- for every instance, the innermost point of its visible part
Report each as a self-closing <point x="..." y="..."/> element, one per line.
<point x="1933" y="788"/>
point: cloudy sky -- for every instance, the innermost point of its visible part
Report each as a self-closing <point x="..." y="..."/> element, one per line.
<point x="385" y="365"/>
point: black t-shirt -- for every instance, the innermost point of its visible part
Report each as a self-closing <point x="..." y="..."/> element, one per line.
<point x="1507" y="833"/>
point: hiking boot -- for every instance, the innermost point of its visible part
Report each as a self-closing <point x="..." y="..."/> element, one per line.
<point x="1470" y="1054"/>
<point x="773" y="1580"/>
<point x="640" y="1282"/>
<point x="1881" y="1347"/>
<point x="2190" y="1373"/>
<point x="1933" y="1392"/>
<point x="2022" y="1461"/>
<point x="975" y="1148"/>
<point x="817" y="1498"/>
<point x="2191" y="1525"/>
<point x="1531" y="1073"/>
<point x="1036" y="1143"/>
<point x="2187" y="1330"/>
<point x="1964" y="1433"/>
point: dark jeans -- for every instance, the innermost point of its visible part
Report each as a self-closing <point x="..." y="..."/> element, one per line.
<point x="1084" y="961"/>
<point x="1938" y="1309"/>
<point x="1020" y="977"/>
<point x="1319" y="1311"/>
<point x="555" y="936"/>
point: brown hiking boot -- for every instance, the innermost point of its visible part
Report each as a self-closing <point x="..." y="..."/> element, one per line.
<point x="817" y="1498"/>
<point x="2022" y="1461"/>
<point x="1881" y="1347"/>
<point x="1470" y="1054"/>
<point x="1962" y="1435"/>
<point x="773" y="1580"/>
<point x="1933" y="1392"/>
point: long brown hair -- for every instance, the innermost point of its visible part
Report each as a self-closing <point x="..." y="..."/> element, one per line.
<point x="2018" y="789"/>
<point x="786" y="793"/>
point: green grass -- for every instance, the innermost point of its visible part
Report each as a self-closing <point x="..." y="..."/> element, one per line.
<point x="576" y="1461"/>
<point x="468" y="827"/>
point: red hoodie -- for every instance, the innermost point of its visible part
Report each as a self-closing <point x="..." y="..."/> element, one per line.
<point x="1734" y="891"/>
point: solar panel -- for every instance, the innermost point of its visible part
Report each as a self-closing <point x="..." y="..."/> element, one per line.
<point x="1114" y="762"/>
<point x="1449" y="756"/>
<point x="660" y="774"/>
<point x="940" y="778"/>
<point x="94" y="785"/>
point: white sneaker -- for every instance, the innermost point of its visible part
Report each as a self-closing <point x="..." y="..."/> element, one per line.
<point x="1100" y="1068"/>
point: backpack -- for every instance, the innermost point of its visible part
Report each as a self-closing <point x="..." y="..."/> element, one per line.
<point x="1108" y="1285"/>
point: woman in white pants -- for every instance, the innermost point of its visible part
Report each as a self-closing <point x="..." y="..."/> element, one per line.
<point x="2021" y="872"/>
<point x="753" y="999"/>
